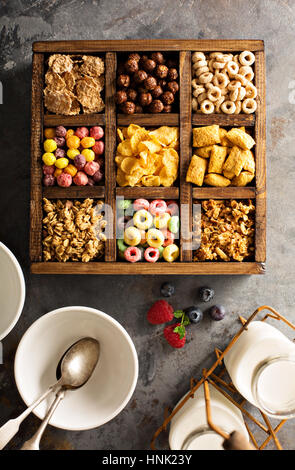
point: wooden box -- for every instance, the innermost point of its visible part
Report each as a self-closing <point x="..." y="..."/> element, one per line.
<point x="184" y="192"/>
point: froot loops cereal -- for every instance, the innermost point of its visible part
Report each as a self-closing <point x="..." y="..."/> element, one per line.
<point x="148" y="230"/>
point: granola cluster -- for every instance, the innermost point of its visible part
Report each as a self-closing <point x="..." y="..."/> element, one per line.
<point x="226" y="230"/>
<point x="74" y="84"/>
<point x="73" y="230"/>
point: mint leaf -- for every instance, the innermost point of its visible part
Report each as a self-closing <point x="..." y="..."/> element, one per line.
<point x="178" y="313"/>
<point x="185" y="320"/>
<point x="180" y="330"/>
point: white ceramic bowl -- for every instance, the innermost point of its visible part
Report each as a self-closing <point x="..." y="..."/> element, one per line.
<point x="12" y="291"/>
<point x="109" y="388"/>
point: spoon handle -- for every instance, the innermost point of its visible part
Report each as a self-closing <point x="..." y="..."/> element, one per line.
<point x="34" y="442"/>
<point x="9" y="429"/>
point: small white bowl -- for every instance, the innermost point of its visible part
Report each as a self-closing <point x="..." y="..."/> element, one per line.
<point x="12" y="291"/>
<point x="109" y="388"/>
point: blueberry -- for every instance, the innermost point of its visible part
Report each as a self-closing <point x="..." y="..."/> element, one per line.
<point x="194" y="314"/>
<point x="217" y="312"/>
<point x="206" y="294"/>
<point x="167" y="290"/>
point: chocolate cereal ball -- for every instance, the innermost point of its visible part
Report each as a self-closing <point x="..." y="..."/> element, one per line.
<point x="131" y="66"/>
<point x="172" y="74"/>
<point x="150" y="83"/>
<point x="131" y="94"/>
<point x="138" y="109"/>
<point x="134" y="55"/>
<point x="123" y="80"/>
<point x="173" y="87"/>
<point x="158" y="57"/>
<point x="167" y="108"/>
<point x="149" y="65"/>
<point x="162" y="83"/>
<point x="156" y="106"/>
<point x="140" y="76"/>
<point x="145" y="99"/>
<point x="128" y="107"/>
<point x="161" y="71"/>
<point x="157" y="91"/>
<point x="167" y="97"/>
<point x="121" y="97"/>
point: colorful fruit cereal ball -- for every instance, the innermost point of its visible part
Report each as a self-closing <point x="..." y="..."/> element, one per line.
<point x="64" y="180"/>
<point x="91" y="167"/>
<point x="82" y="132"/>
<point x="96" y="132"/>
<point x="71" y="153"/>
<point x="73" y="142"/>
<point x="49" y="133"/>
<point x="60" y="131"/>
<point x="98" y="147"/>
<point x="91" y="181"/>
<point x="88" y="154"/>
<point x="60" y="141"/>
<point x="100" y="161"/>
<point x="48" y="158"/>
<point x="98" y="176"/>
<point x="48" y="180"/>
<point x="48" y="170"/>
<point x="61" y="163"/>
<point x="58" y="171"/>
<point x="71" y="170"/>
<point x="87" y="142"/>
<point x="50" y="145"/>
<point x="79" y="161"/>
<point x="60" y="153"/>
<point x="81" y="179"/>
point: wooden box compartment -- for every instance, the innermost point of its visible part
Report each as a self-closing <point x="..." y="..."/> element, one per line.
<point x="182" y="191"/>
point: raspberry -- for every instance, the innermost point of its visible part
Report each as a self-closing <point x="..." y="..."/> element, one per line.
<point x="160" y="312"/>
<point x="173" y="338"/>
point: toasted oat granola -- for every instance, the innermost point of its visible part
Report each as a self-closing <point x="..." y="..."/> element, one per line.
<point x="73" y="230"/>
<point x="227" y="230"/>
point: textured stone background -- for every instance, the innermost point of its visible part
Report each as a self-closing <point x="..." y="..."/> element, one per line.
<point x="164" y="373"/>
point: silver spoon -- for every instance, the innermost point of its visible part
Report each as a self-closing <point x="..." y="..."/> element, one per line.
<point x="77" y="366"/>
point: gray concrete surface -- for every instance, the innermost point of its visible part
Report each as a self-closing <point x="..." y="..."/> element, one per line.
<point x="164" y="372"/>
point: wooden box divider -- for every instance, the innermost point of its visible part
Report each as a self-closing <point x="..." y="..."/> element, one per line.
<point x="184" y="192"/>
<point x="185" y="131"/>
<point x="110" y="147"/>
<point x="36" y="171"/>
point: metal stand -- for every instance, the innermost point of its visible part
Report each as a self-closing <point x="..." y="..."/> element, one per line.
<point x="222" y="383"/>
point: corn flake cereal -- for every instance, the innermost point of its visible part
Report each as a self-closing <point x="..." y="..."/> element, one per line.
<point x="73" y="84"/>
